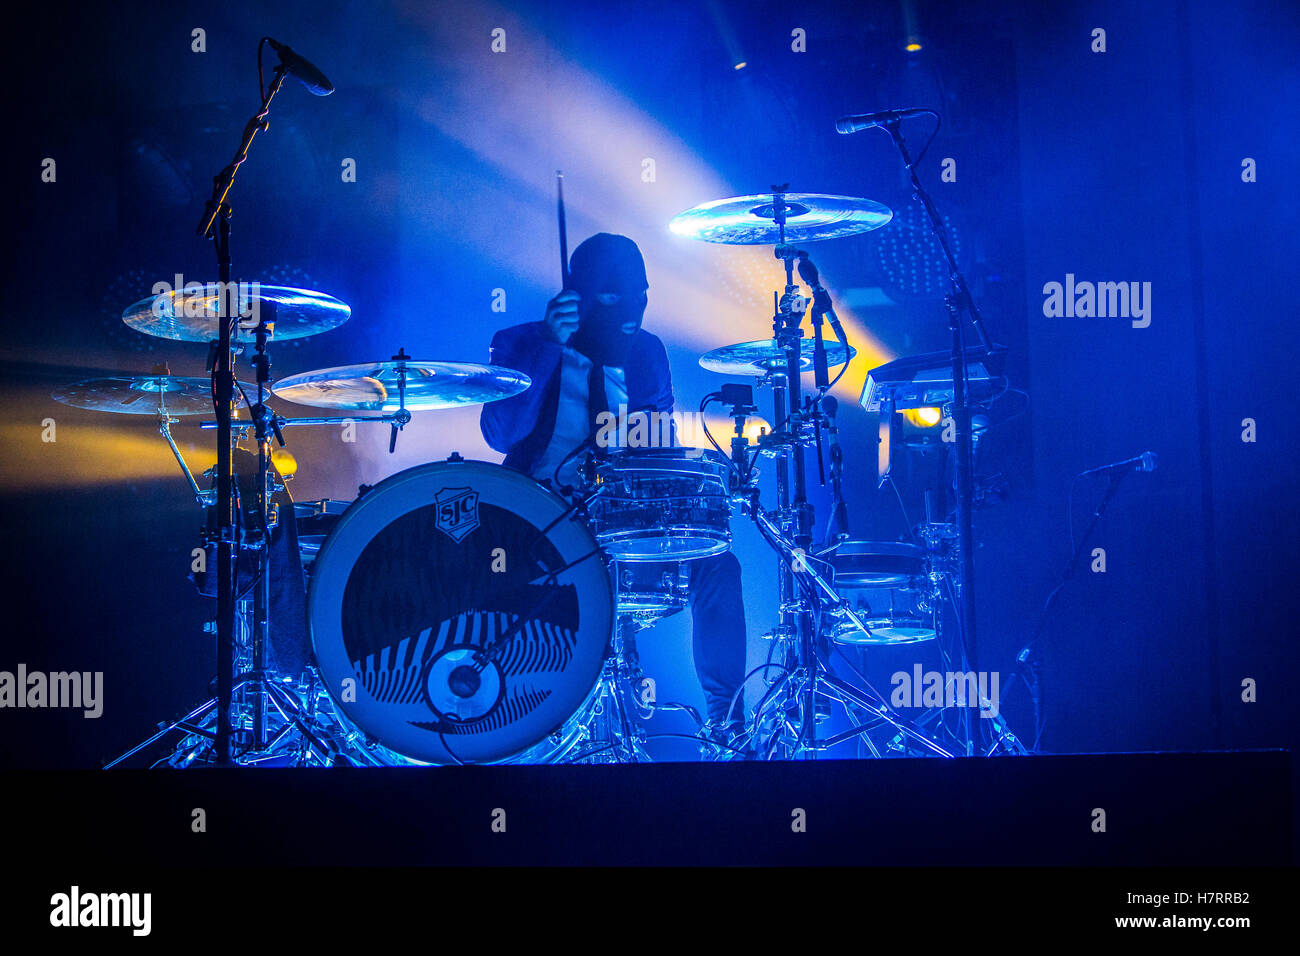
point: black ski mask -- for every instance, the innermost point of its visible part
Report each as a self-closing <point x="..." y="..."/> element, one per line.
<point x="609" y="273"/>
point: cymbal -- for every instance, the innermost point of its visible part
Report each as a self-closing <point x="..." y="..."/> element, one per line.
<point x="190" y="315"/>
<point x="750" y="220"/>
<point x="763" y="356"/>
<point x="429" y="385"/>
<point x="143" y="395"/>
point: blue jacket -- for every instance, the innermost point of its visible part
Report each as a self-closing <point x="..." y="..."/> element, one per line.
<point x="521" y="426"/>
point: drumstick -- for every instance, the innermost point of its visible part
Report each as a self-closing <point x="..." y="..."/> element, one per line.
<point x="564" y="233"/>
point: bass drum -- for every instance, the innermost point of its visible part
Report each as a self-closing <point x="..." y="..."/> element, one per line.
<point x="461" y="614"/>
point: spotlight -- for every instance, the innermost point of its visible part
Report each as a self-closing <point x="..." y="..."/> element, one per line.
<point x="918" y="428"/>
<point x="910" y="28"/>
<point x="923" y="417"/>
<point x="284" y="461"/>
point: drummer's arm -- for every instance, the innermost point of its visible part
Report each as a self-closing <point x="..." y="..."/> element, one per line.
<point x="523" y="348"/>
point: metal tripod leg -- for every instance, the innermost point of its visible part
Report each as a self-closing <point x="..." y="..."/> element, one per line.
<point x="185" y="723"/>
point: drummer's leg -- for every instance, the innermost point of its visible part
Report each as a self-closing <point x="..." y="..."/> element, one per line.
<point x="718" y="634"/>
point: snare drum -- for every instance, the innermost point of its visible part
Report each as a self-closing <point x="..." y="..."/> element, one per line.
<point x="662" y="504"/>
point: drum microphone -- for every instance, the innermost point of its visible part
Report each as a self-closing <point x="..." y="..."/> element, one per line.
<point x="302" y="69"/>
<point x="861" y="121"/>
<point x="1144" y="462"/>
<point x="840" y="509"/>
<point x="821" y="298"/>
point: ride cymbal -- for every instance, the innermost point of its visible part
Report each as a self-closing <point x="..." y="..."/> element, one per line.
<point x="752" y="220"/>
<point x="191" y="314"/>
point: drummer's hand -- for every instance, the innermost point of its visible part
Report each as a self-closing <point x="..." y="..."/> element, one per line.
<point x="562" y="316"/>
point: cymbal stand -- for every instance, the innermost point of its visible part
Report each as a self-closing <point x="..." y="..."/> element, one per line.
<point x="791" y="701"/>
<point x="165" y="423"/>
<point x="264" y="427"/>
<point x="794" y="513"/>
<point x="803" y="681"/>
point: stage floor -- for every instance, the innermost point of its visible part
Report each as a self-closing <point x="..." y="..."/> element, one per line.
<point x="1162" y="809"/>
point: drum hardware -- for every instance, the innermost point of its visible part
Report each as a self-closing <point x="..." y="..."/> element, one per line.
<point x="837" y="528"/>
<point x="609" y="734"/>
<point x="786" y="717"/>
<point x="226" y="316"/>
<point x="957" y="302"/>
<point x="647" y="593"/>
<point x="160" y="393"/>
<point x="785" y="709"/>
<point x="215" y="225"/>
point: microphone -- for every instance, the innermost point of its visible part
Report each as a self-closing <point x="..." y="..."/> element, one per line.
<point x="302" y="69"/>
<point x="861" y="121"/>
<point x="821" y="298"/>
<point x="1144" y="462"/>
<point x="839" y="522"/>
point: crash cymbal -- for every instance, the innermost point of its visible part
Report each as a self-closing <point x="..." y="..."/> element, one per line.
<point x="190" y="315"/>
<point x="143" y="395"/>
<point x="759" y="358"/>
<point x="751" y="220"/>
<point x="429" y="385"/>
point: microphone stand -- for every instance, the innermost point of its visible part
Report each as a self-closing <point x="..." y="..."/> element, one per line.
<point x="956" y="302"/>
<point x="1112" y="486"/>
<point x="1023" y="656"/>
<point x="215" y="225"/>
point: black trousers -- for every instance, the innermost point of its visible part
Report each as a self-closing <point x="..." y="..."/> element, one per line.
<point x="718" y="634"/>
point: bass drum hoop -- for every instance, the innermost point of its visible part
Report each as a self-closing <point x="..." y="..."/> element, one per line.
<point x="568" y="731"/>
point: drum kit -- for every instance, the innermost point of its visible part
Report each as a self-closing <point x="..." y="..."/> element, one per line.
<point x="460" y="612"/>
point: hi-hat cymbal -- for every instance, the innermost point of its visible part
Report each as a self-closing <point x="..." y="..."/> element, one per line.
<point x="190" y="315"/>
<point x="143" y="395"/>
<point x="429" y="385"/>
<point x="751" y="220"/>
<point x="765" y="355"/>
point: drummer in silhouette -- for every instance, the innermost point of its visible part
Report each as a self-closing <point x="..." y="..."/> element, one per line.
<point x="590" y="358"/>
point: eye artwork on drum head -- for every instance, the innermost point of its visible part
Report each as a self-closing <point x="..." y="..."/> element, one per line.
<point x="458" y="656"/>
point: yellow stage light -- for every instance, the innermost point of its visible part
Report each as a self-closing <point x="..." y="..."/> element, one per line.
<point x="923" y="417"/>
